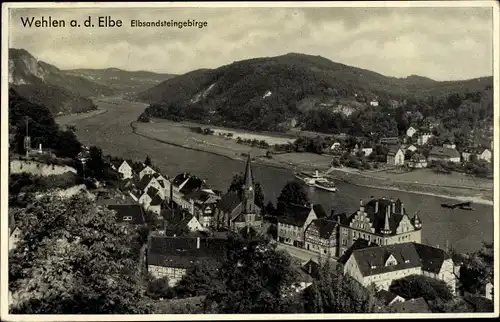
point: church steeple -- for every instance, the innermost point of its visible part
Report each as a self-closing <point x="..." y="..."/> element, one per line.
<point x="248" y="173"/>
<point x="387" y="228"/>
<point x="248" y="189"/>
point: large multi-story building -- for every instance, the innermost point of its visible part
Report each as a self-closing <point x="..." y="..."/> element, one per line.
<point x="383" y="264"/>
<point x="295" y="220"/>
<point x="381" y="221"/>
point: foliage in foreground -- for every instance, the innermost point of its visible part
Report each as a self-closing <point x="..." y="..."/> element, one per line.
<point x="73" y="258"/>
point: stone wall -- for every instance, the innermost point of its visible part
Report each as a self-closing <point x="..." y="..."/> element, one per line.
<point x="38" y="168"/>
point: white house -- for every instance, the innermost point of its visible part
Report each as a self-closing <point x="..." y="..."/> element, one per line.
<point x="479" y="153"/>
<point x="381" y="265"/>
<point x="396" y="157"/>
<point x="411" y="131"/>
<point x="123" y="167"/>
<point x="424" y="138"/>
<point x="147" y="197"/>
<point x="374" y="103"/>
<point x="367" y="151"/>
<point x="335" y="145"/>
<point x="145" y="171"/>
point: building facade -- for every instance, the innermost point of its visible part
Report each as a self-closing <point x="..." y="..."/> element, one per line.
<point x="294" y="222"/>
<point x="380" y="221"/>
<point x="396" y="157"/>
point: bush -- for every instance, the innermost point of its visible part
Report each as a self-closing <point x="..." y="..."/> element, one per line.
<point x="415" y="286"/>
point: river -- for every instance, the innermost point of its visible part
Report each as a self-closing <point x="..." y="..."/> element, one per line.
<point x="111" y="131"/>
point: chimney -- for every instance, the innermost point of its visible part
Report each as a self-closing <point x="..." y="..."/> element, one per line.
<point x="376" y="206"/>
<point x="402" y="208"/>
<point x="361" y="206"/>
<point x="388" y="211"/>
<point x="40" y="148"/>
<point x="192" y="206"/>
<point x="197" y="242"/>
<point x="311" y="205"/>
<point x="310" y="268"/>
<point x="393" y="205"/>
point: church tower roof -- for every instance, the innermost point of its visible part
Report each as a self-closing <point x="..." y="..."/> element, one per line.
<point x="248" y="173"/>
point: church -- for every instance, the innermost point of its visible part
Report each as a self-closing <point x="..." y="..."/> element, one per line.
<point x="235" y="211"/>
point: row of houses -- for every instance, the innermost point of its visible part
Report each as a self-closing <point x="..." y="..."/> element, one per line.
<point x="446" y="153"/>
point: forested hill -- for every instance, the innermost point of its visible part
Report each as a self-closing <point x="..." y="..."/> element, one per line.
<point x="266" y="93"/>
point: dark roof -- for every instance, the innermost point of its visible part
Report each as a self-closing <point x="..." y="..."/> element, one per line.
<point x="325" y="227"/>
<point x="116" y="163"/>
<point x="475" y="150"/>
<point x="229" y="202"/>
<point x="444" y="152"/>
<point x="295" y="215"/>
<point x="133" y="213"/>
<point x="198" y="195"/>
<point x="431" y="257"/>
<point x="192" y="184"/>
<point x="312" y="268"/>
<point x="156" y="201"/>
<point x="359" y="243"/>
<point x="386" y="296"/>
<point x="182" y="252"/>
<point x="393" y="150"/>
<point x="175" y="218"/>
<point x="372" y="260"/>
<point x="417" y="157"/>
<point x="378" y="218"/>
<point x="248" y="177"/>
<point x="180" y="178"/>
<point x="143" y="183"/>
<point x="340" y="218"/>
<point x="411" y="306"/>
<point x="152" y="192"/>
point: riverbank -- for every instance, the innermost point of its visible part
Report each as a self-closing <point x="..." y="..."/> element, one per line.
<point x="71" y="118"/>
<point x="454" y="188"/>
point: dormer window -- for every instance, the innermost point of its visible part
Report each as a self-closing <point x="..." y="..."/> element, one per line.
<point x="407" y="261"/>
<point x="373" y="266"/>
<point x="127" y="218"/>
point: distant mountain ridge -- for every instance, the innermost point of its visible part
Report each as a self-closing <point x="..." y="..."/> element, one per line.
<point x="236" y="94"/>
<point x="127" y="82"/>
<point x="70" y="91"/>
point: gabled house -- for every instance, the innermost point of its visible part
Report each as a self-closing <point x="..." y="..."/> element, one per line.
<point x="123" y="167"/>
<point x="417" y="161"/>
<point x="294" y="222"/>
<point x="235" y="211"/>
<point x="396" y="156"/>
<point x="411" y="131"/>
<point x="478" y="153"/>
<point x="129" y="214"/>
<point x="173" y="256"/>
<point x="380" y="221"/>
<point x="148" y="196"/>
<point x="145" y="170"/>
<point x="203" y="205"/>
<point x="156" y="204"/>
<point x="389" y="298"/>
<point x="179" y="220"/>
<point x="335" y="146"/>
<point x="14" y="232"/>
<point x="381" y="265"/>
<point x="444" y="154"/>
<point x="321" y="236"/>
<point x="149" y="181"/>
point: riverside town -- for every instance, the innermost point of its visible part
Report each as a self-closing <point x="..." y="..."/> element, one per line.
<point x="256" y="169"/>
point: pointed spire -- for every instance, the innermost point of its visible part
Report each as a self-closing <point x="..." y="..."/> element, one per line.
<point x="248" y="173"/>
<point x="387" y="228"/>
<point x="417" y="222"/>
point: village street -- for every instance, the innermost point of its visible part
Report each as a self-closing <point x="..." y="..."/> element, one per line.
<point x="301" y="254"/>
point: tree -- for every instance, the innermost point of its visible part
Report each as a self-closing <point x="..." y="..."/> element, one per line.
<point x="292" y="193"/>
<point x="255" y="277"/>
<point x="415" y="286"/>
<point x="477" y="269"/>
<point x="334" y="292"/>
<point x="148" y="161"/>
<point x="199" y="280"/>
<point x="158" y="288"/>
<point x="95" y="165"/>
<point x="73" y="258"/>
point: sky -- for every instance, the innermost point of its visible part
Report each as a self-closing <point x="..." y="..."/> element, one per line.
<point x="439" y="43"/>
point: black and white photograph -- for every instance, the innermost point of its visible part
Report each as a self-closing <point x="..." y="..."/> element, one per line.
<point x="245" y="160"/>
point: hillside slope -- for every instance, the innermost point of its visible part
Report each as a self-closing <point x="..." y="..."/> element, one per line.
<point x="45" y="84"/>
<point x="266" y="93"/>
